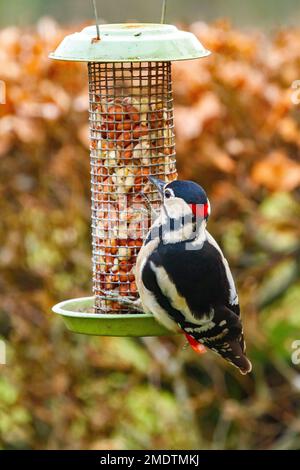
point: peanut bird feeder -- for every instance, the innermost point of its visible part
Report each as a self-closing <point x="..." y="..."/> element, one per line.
<point x="131" y="137"/>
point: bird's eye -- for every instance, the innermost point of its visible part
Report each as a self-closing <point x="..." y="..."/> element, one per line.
<point x="168" y="193"/>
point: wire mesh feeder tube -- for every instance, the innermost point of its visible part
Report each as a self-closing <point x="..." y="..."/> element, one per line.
<point x="131" y="137"/>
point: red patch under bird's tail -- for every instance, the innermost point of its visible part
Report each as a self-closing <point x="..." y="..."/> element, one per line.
<point x="197" y="347"/>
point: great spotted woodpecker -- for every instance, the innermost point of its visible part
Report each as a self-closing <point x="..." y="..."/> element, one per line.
<point x="184" y="279"/>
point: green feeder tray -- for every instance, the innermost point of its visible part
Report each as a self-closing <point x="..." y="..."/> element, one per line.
<point x="77" y="320"/>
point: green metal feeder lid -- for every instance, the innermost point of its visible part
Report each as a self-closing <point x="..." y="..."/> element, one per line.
<point x="130" y="42"/>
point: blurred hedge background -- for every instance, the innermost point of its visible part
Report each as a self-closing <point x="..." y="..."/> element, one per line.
<point x="263" y="13"/>
<point x="238" y="135"/>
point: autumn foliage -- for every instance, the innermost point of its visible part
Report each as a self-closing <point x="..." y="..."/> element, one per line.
<point x="237" y="133"/>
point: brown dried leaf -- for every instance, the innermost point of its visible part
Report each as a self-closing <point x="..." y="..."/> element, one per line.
<point x="277" y="172"/>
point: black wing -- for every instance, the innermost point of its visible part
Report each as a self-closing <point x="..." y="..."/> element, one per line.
<point x="199" y="275"/>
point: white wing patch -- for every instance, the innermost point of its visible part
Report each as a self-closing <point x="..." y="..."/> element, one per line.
<point x="168" y="289"/>
<point x="149" y="302"/>
<point x="151" y="305"/>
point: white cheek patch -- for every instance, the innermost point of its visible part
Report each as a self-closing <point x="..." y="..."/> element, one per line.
<point x="177" y="208"/>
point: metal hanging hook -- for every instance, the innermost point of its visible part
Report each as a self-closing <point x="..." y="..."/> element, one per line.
<point x="97" y="19"/>
<point x="163" y="12"/>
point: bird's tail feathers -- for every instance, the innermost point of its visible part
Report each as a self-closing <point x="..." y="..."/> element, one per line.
<point x="233" y="352"/>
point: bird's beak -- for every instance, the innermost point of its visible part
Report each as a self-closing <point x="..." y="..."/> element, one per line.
<point x="160" y="184"/>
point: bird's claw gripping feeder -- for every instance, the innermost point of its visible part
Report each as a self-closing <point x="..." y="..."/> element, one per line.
<point x="131" y="138"/>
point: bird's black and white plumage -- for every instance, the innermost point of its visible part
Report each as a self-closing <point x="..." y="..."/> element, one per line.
<point x="184" y="279"/>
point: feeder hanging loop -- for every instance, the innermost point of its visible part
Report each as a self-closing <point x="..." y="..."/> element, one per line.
<point x="97" y="19"/>
<point x="163" y="12"/>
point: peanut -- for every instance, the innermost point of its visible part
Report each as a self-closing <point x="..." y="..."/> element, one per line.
<point x="133" y="288"/>
<point x="139" y="131"/>
<point x="124" y="289"/>
<point x="116" y="112"/>
<point x="124" y="126"/>
<point x="125" y="266"/>
<point x="133" y="113"/>
<point x="124" y="253"/>
<point x="124" y="139"/>
<point x="123" y="276"/>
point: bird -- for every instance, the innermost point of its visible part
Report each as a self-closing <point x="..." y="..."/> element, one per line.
<point x="183" y="278"/>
